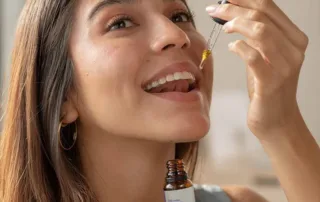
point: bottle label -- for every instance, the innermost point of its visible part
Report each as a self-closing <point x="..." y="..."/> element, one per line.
<point x="182" y="195"/>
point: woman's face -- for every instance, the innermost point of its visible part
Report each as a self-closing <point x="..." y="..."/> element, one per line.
<point x="136" y="70"/>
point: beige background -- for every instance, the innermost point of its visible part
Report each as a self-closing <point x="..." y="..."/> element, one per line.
<point x="230" y="153"/>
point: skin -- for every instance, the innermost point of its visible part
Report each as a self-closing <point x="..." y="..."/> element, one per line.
<point x="274" y="53"/>
<point x="120" y="124"/>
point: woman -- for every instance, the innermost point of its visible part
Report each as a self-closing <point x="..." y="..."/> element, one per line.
<point x="98" y="102"/>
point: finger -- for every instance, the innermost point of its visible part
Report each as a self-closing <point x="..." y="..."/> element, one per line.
<point x="263" y="72"/>
<point x="268" y="39"/>
<point x="250" y="82"/>
<point x="279" y="18"/>
<point x="252" y="58"/>
<point x="229" y="11"/>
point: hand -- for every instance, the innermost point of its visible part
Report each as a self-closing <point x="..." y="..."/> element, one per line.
<point x="274" y="51"/>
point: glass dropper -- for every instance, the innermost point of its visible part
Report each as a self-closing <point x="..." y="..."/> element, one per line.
<point x="213" y="38"/>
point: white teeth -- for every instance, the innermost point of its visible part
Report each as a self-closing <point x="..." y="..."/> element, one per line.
<point x="177" y="76"/>
<point x="162" y="81"/>
<point x="187" y="75"/>
<point x="155" y="84"/>
<point x="172" y="77"/>
<point x="192" y="76"/>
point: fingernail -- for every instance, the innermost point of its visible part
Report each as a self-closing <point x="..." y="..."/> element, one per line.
<point x="211" y="9"/>
<point x="226" y="27"/>
<point x="230" y="45"/>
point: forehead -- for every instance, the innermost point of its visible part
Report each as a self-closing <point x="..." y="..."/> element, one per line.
<point x="96" y="5"/>
<point x="110" y="2"/>
<point x="131" y="1"/>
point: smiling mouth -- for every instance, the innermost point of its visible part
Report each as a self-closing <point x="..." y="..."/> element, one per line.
<point x="182" y="82"/>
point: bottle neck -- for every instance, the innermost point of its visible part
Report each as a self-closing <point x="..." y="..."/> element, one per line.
<point x="176" y="172"/>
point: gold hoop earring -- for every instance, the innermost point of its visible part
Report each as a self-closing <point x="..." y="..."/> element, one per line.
<point x="65" y="140"/>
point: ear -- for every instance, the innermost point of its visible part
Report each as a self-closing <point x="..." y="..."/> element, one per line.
<point x="69" y="112"/>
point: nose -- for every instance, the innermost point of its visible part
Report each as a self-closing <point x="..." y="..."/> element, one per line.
<point x="169" y="36"/>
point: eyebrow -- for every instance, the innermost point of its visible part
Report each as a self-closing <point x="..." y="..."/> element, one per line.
<point x="105" y="3"/>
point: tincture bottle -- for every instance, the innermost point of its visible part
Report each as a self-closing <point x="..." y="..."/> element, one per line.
<point x="178" y="187"/>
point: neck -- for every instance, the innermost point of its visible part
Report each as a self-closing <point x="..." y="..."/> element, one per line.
<point x="122" y="169"/>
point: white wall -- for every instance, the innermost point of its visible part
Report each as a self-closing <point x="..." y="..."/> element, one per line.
<point x="230" y="98"/>
<point x="9" y="12"/>
<point x="231" y="153"/>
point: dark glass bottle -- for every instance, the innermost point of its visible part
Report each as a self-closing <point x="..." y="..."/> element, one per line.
<point x="178" y="187"/>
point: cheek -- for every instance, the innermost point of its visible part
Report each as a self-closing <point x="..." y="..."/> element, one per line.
<point x="198" y="45"/>
<point x="95" y="59"/>
<point x="106" y="79"/>
<point x="103" y="61"/>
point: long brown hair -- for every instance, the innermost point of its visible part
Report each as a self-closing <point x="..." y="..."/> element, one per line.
<point x="33" y="166"/>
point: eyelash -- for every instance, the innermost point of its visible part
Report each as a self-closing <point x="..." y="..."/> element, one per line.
<point x="122" y="18"/>
<point x="117" y="20"/>
<point x="189" y="15"/>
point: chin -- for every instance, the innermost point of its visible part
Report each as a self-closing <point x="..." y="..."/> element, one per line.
<point x="189" y="129"/>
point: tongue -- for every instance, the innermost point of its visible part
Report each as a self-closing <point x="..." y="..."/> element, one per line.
<point x="174" y="86"/>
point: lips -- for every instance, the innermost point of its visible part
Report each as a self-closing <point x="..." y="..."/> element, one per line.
<point x="183" y="86"/>
<point x="178" y="77"/>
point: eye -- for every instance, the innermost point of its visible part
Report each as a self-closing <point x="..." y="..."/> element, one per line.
<point x="121" y="22"/>
<point x="181" y="16"/>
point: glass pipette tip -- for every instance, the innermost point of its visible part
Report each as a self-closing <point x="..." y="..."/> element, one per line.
<point x="211" y="43"/>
